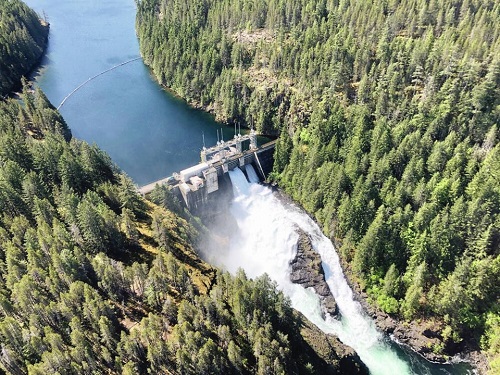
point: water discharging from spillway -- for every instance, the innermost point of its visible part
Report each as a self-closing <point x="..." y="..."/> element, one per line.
<point x="265" y="242"/>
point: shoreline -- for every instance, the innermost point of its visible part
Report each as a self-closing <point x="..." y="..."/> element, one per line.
<point x="197" y="105"/>
<point x="17" y="87"/>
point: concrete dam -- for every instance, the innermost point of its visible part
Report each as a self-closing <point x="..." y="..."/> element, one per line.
<point x="204" y="188"/>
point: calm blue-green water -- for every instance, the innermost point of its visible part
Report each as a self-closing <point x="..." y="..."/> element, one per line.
<point x="148" y="132"/>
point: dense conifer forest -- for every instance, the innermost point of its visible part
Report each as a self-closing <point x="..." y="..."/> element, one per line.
<point x="387" y="114"/>
<point x="95" y="279"/>
<point x="22" y="42"/>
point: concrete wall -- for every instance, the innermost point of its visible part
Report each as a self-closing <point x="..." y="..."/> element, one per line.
<point x="266" y="159"/>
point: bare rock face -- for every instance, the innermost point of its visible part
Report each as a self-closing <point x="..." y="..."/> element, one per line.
<point x="329" y="354"/>
<point x="308" y="272"/>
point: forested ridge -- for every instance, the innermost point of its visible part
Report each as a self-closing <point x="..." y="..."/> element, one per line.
<point x="388" y="115"/>
<point x="95" y="279"/>
<point x="22" y="41"/>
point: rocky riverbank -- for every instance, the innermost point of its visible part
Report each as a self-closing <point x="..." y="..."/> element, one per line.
<point x="421" y="336"/>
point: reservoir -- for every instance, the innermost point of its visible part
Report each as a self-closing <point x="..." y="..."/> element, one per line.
<point x="150" y="134"/>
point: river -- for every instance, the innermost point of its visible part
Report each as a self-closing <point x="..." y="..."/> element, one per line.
<point x="150" y="133"/>
<point x="265" y="243"/>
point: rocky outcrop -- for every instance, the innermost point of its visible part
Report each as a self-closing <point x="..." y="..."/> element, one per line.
<point x="328" y="354"/>
<point x="308" y="272"/>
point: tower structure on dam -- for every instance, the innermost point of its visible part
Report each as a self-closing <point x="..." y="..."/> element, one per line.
<point x="223" y="150"/>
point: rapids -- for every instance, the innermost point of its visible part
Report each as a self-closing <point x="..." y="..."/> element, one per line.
<point x="265" y="242"/>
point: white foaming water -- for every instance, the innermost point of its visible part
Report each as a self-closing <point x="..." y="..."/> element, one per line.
<point x="265" y="243"/>
<point x="252" y="175"/>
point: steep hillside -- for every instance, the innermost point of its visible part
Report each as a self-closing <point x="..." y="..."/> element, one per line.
<point x="388" y="117"/>
<point x="22" y="41"/>
<point x="96" y="279"/>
